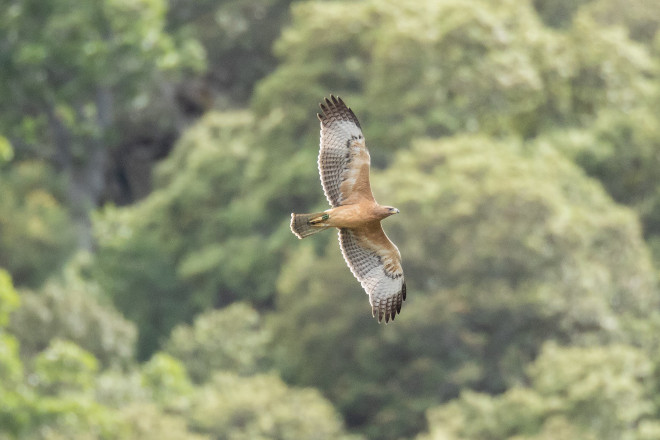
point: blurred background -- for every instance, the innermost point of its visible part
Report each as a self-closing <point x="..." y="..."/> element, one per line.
<point x="151" y="152"/>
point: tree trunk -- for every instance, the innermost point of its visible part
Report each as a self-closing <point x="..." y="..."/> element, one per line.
<point x="85" y="175"/>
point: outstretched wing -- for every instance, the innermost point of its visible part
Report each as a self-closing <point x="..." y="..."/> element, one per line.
<point x="376" y="263"/>
<point x="343" y="156"/>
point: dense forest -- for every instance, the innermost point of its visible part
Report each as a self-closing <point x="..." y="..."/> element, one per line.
<point x="151" y="152"/>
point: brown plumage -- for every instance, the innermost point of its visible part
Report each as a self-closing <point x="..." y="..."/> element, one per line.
<point x="344" y="169"/>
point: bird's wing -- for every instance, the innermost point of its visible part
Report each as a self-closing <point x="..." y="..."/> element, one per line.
<point x="376" y="263"/>
<point x="343" y="157"/>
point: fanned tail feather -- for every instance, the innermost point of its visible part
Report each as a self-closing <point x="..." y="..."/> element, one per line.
<point x="302" y="225"/>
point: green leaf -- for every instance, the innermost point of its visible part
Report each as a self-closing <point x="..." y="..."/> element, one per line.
<point x="6" y="151"/>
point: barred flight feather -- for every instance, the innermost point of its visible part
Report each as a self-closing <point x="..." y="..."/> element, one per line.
<point x="344" y="164"/>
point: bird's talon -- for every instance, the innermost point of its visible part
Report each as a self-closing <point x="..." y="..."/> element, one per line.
<point x="318" y="220"/>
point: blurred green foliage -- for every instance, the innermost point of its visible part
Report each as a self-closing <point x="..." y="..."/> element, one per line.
<point x="620" y="150"/>
<point x="519" y="139"/>
<point x="6" y="151"/>
<point x="166" y="379"/>
<point x="62" y="393"/>
<point x="232" y="338"/>
<point x="75" y="310"/>
<point x="510" y="257"/>
<point x="603" y="392"/>
<point x="63" y="368"/>
<point x="36" y="236"/>
<point x="263" y="407"/>
<point x="59" y="57"/>
<point x="79" y="81"/>
<point x="237" y="36"/>
<point x="198" y="242"/>
<point x="9" y="299"/>
<point x="439" y="68"/>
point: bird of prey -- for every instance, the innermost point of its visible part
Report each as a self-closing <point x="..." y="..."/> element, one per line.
<point x="344" y="169"/>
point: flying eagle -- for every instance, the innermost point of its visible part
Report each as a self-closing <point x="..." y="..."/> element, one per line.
<point x="344" y="168"/>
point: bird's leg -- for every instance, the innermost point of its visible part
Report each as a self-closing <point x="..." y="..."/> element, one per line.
<point x="319" y="219"/>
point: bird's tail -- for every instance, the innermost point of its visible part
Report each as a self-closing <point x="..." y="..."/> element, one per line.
<point x="304" y="225"/>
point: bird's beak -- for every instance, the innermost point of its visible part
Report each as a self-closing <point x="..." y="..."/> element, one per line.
<point x="394" y="211"/>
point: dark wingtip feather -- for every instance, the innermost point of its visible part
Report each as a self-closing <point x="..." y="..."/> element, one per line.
<point x="334" y="108"/>
<point x="390" y="308"/>
<point x="403" y="291"/>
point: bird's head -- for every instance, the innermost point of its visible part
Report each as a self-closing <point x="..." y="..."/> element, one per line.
<point x="390" y="210"/>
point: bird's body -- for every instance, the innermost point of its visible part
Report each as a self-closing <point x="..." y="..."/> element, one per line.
<point x="344" y="164"/>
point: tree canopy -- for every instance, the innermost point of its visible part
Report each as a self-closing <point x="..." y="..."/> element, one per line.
<point x="151" y="153"/>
